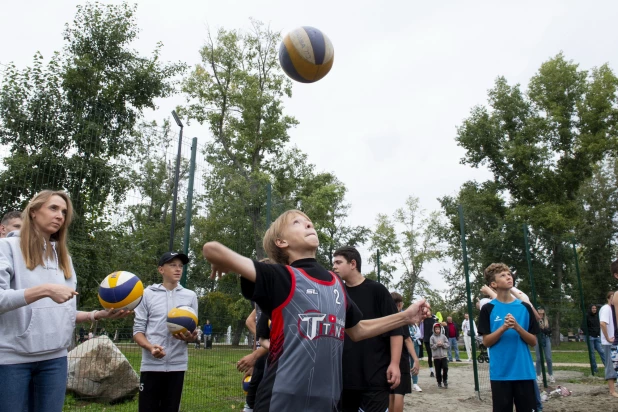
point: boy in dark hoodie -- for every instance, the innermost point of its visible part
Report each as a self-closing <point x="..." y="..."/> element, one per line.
<point x="439" y="350"/>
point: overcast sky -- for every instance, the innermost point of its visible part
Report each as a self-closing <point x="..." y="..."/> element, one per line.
<point x="406" y="74"/>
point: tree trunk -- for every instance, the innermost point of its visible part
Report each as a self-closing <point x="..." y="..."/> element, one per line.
<point x="237" y="332"/>
<point x="258" y="233"/>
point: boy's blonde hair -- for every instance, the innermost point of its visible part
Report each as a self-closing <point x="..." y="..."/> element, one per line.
<point x="493" y="269"/>
<point x="274" y="252"/>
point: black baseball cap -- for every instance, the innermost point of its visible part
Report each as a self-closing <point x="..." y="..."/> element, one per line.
<point x="167" y="256"/>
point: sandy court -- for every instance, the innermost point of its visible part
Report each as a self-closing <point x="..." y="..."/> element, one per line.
<point x="590" y="394"/>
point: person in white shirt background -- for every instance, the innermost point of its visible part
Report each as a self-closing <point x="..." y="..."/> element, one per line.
<point x="607" y="341"/>
<point x="465" y="328"/>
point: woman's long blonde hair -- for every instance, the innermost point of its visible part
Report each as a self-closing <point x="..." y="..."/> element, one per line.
<point x="33" y="243"/>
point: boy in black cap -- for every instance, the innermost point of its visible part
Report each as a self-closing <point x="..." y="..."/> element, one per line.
<point x="164" y="356"/>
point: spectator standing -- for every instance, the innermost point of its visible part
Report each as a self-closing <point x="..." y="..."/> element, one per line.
<point x="207" y="333"/>
<point x="465" y="328"/>
<point x="607" y="340"/>
<point x="545" y="345"/>
<point x="439" y="348"/>
<point x="452" y="333"/>
<point x="594" y="333"/>
<point x="199" y="338"/>
<point x="426" y="332"/>
<point x="415" y="334"/>
<point x="371" y="367"/>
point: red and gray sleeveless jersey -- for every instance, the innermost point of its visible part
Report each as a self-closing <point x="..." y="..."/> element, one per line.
<point x="306" y="346"/>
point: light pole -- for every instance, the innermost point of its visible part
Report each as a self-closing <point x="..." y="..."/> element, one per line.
<point x="176" y="177"/>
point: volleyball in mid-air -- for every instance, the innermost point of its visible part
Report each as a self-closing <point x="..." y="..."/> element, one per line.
<point x="245" y="383"/>
<point x="306" y="54"/>
<point x="181" y="319"/>
<point x="121" y="291"/>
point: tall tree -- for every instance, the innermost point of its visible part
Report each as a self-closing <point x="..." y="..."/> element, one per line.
<point x="384" y="247"/>
<point x="541" y="146"/>
<point x="418" y="245"/>
<point x="238" y="91"/>
<point x="69" y="123"/>
<point x="597" y="232"/>
<point x="491" y="234"/>
<point x="322" y="198"/>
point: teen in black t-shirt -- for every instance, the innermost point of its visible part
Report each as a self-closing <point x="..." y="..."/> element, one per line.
<point x="368" y="365"/>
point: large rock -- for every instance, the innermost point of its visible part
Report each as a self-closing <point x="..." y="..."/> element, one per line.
<point x="100" y="372"/>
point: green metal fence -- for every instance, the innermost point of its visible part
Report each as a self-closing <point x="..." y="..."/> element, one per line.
<point x="545" y="266"/>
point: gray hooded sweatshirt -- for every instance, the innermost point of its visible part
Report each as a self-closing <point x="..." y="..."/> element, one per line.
<point x="151" y="320"/>
<point x="42" y="330"/>
<point x="439" y="352"/>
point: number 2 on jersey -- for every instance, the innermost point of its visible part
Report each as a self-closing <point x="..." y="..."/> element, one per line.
<point x="337" y="297"/>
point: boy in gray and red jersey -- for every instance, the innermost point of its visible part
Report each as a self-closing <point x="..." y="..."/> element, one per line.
<point x="310" y="312"/>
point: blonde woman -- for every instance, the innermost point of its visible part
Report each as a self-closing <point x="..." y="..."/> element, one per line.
<point x="37" y="309"/>
<point x="544" y="343"/>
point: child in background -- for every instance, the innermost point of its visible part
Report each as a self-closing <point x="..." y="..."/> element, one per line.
<point x="439" y="350"/>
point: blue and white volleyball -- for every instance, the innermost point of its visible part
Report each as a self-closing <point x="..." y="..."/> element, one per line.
<point x="121" y="291"/>
<point x="181" y="319"/>
<point x="306" y="54"/>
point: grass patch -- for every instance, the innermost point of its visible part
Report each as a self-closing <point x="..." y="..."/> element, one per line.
<point x="211" y="383"/>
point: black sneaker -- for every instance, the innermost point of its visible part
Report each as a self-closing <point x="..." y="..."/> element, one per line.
<point x="431" y="375"/>
<point x="445" y="385"/>
<point x="458" y="360"/>
<point x="439" y="385"/>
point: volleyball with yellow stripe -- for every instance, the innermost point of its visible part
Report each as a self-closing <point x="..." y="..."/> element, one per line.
<point x="121" y="291"/>
<point x="181" y="319"/>
<point x="306" y="54"/>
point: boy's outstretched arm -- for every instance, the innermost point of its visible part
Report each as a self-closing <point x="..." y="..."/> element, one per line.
<point x="224" y="260"/>
<point x="370" y="328"/>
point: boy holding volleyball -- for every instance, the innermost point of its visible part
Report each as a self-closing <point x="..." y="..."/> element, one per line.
<point x="164" y="356"/>
<point x="310" y="312"/>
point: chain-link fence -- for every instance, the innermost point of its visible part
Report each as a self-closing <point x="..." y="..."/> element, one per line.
<point x="551" y="270"/>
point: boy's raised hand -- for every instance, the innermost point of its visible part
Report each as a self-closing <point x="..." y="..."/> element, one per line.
<point x="224" y="260"/>
<point x="417" y="311"/>
<point x="217" y="271"/>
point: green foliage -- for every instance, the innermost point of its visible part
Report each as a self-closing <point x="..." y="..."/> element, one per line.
<point x="72" y="124"/>
<point x="407" y="250"/>
<point x="68" y="119"/>
<point x="597" y="230"/>
<point x="238" y="91"/>
<point x="541" y="147"/>
<point x="418" y="244"/>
